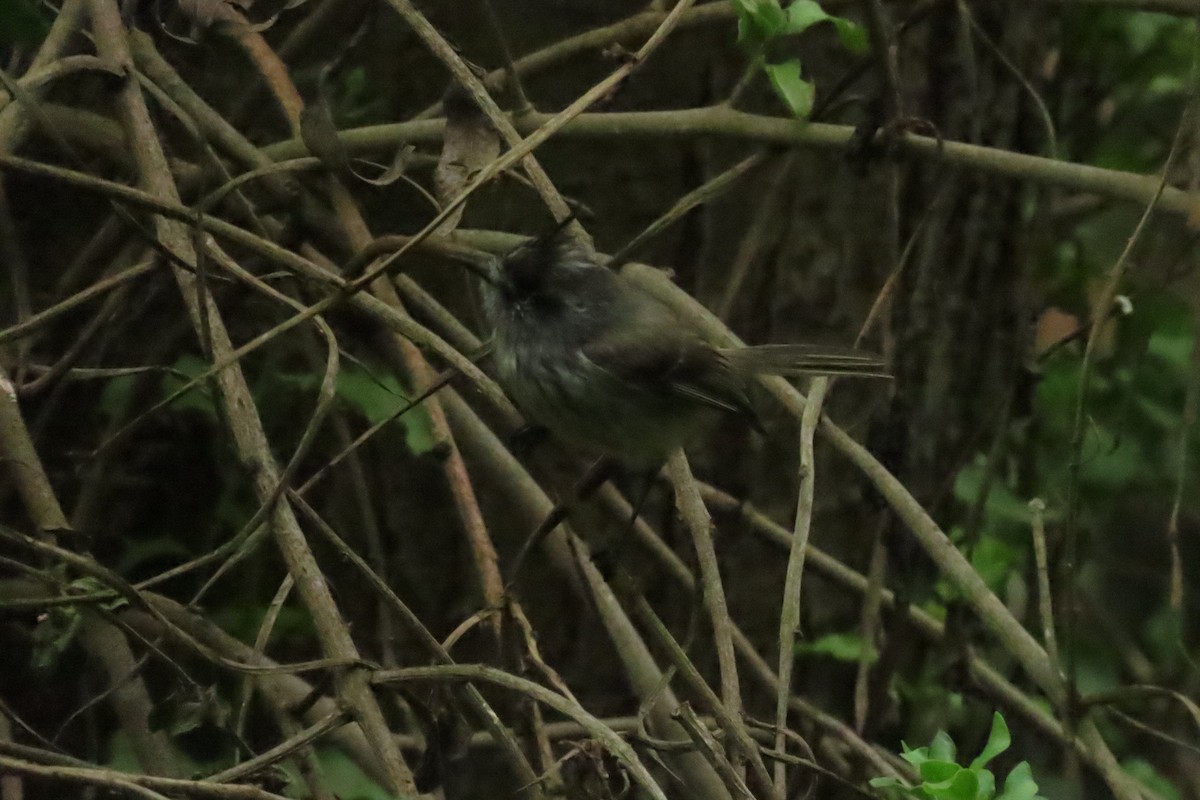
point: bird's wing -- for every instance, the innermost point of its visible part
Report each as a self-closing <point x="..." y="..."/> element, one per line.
<point x="670" y="360"/>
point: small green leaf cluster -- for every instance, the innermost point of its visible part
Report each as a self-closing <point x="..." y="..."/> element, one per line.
<point x="761" y="21"/>
<point x="943" y="778"/>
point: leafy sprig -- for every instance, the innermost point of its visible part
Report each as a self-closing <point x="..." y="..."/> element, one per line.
<point x="762" y="21"/>
<point x="943" y="778"/>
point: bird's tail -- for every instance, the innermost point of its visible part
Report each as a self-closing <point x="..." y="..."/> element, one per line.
<point x="805" y="359"/>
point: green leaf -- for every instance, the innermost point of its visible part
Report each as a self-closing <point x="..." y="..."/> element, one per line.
<point x="796" y="92"/>
<point x="1003" y="505"/>
<point x="1019" y="785"/>
<point x="380" y="397"/>
<point x="853" y="35"/>
<point x="759" y="21"/>
<point x="196" y="398"/>
<point x="998" y="741"/>
<point x="987" y="784"/>
<point x="1172" y="346"/>
<point x="841" y="646"/>
<point x="916" y="757"/>
<point x="963" y="786"/>
<point x="942" y="747"/>
<point x="376" y="397"/>
<point x="938" y="771"/>
<point x="346" y="779"/>
<point x="803" y="14"/>
<point x="995" y="560"/>
<point x="1111" y="462"/>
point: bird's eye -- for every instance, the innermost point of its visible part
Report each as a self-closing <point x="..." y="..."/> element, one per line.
<point x="524" y="274"/>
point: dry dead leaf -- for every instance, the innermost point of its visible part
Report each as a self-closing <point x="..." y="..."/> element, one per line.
<point x="469" y="144"/>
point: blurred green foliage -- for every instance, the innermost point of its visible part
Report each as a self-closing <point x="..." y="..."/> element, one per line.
<point x="1130" y="87"/>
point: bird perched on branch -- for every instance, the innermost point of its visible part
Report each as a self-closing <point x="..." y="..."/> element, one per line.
<point x="608" y="367"/>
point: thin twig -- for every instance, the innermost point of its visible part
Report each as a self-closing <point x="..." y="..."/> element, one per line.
<point x="134" y="784"/>
<point x="699" y="523"/>
<point x="1037" y="509"/>
<point x="885" y="56"/>
<point x="764" y="222"/>
<point x="284" y="749"/>
<point x="789" y="607"/>
<point x="455" y="673"/>
<point x="738" y="734"/>
<point x="704" y="193"/>
<point x="707" y="744"/>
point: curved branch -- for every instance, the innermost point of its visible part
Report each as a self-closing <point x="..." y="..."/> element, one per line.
<point x="726" y="123"/>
